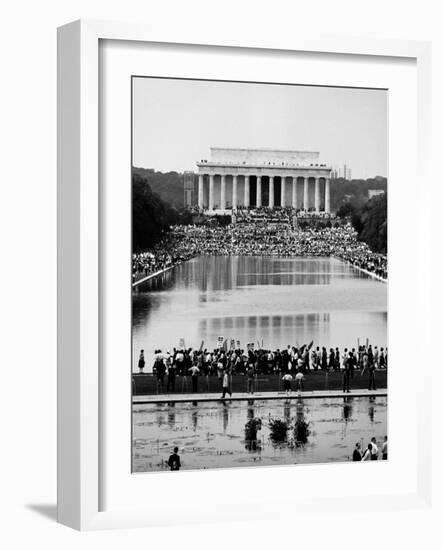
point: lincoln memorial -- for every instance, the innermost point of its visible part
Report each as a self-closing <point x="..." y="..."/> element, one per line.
<point x="263" y="177"/>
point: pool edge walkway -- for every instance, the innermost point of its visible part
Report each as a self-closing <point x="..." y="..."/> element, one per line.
<point x="201" y="397"/>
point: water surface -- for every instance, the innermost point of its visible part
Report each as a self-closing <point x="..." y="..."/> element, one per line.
<point x="279" y="301"/>
<point x="211" y="434"/>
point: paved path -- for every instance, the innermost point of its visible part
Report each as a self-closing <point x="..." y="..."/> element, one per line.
<point x="195" y="397"/>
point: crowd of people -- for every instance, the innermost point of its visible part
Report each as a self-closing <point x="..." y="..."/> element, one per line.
<point x="259" y="236"/>
<point x="373" y="451"/>
<point x="289" y="362"/>
<point x="264" y="214"/>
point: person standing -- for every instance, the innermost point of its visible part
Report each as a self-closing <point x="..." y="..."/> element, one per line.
<point x="194" y="372"/>
<point x="225" y="384"/>
<point x="250" y="379"/>
<point x="179" y="362"/>
<point x="287" y="383"/>
<point x="346" y="376"/>
<point x="357" y="457"/>
<point x="385" y="448"/>
<point x="331" y="360"/>
<point x="353" y="362"/>
<point x="374" y="449"/>
<point x="376" y="357"/>
<point x="324" y="359"/>
<point x="381" y="359"/>
<point x="141" y="361"/>
<point x="337" y="360"/>
<point x="371" y="377"/>
<point x="174" y="461"/>
<point x="170" y="377"/>
<point x="313" y="359"/>
<point x="364" y="362"/>
<point x="299" y="381"/>
<point x="160" y="370"/>
<point x="367" y="453"/>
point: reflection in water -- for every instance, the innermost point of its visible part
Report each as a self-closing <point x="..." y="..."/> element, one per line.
<point x="302" y="425"/>
<point x="225" y="416"/>
<point x="251" y="429"/>
<point x="287" y="411"/>
<point x="213" y="434"/>
<point x="279" y="300"/>
<point x="347" y="409"/>
<point x="371" y="409"/>
<point x="171" y="415"/>
<point x="195" y="416"/>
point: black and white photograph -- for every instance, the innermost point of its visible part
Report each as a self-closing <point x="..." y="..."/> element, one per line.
<point x="259" y="274"/>
<point x="221" y="279"/>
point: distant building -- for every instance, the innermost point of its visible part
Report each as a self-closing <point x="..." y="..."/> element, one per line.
<point x="189" y="189"/>
<point x="347" y="172"/>
<point x="375" y="192"/>
<point x="341" y="172"/>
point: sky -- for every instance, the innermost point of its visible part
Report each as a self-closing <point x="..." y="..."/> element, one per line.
<point x="175" y="122"/>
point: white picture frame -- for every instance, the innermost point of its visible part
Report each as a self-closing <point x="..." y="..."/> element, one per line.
<point x="79" y="264"/>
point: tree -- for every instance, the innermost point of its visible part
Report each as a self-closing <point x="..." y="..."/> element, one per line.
<point x="374" y="223"/>
<point x="151" y="216"/>
<point x="169" y="186"/>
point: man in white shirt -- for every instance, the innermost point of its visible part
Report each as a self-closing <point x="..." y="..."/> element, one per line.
<point x="287" y="381"/>
<point x="299" y="381"/>
<point x="194" y="372"/>
<point x="226" y="385"/>
<point x="374" y="449"/>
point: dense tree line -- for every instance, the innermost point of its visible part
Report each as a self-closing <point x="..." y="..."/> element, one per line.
<point x="169" y="186"/>
<point x="370" y="221"/>
<point x="356" y="191"/>
<point x="151" y="215"/>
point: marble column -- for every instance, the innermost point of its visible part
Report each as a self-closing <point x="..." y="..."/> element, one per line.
<point x="211" y="183"/>
<point x="327" y="195"/>
<point x="258" y="191"/>
<point x="305" y="192"/>
<point x="282" y="190"/>
<point x="246" y="191"/>
<point x="271" y="192"/>
<point x="200" y="190"/>
<point x="223" y="192"/>
<point x="317" y="195"/>
<point x="234" y="191"/>
<point x="295" y="192"/>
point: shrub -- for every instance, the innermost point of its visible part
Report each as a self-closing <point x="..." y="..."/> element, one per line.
<point x="278" y="430"/>
<point x="301" y="431"/>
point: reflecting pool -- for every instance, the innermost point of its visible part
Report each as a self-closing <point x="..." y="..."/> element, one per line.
<point x="213" y="434"/>
<point x="279" y="301"/>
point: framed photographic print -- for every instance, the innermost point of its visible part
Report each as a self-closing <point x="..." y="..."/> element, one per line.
<point x="234" y="287"/>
